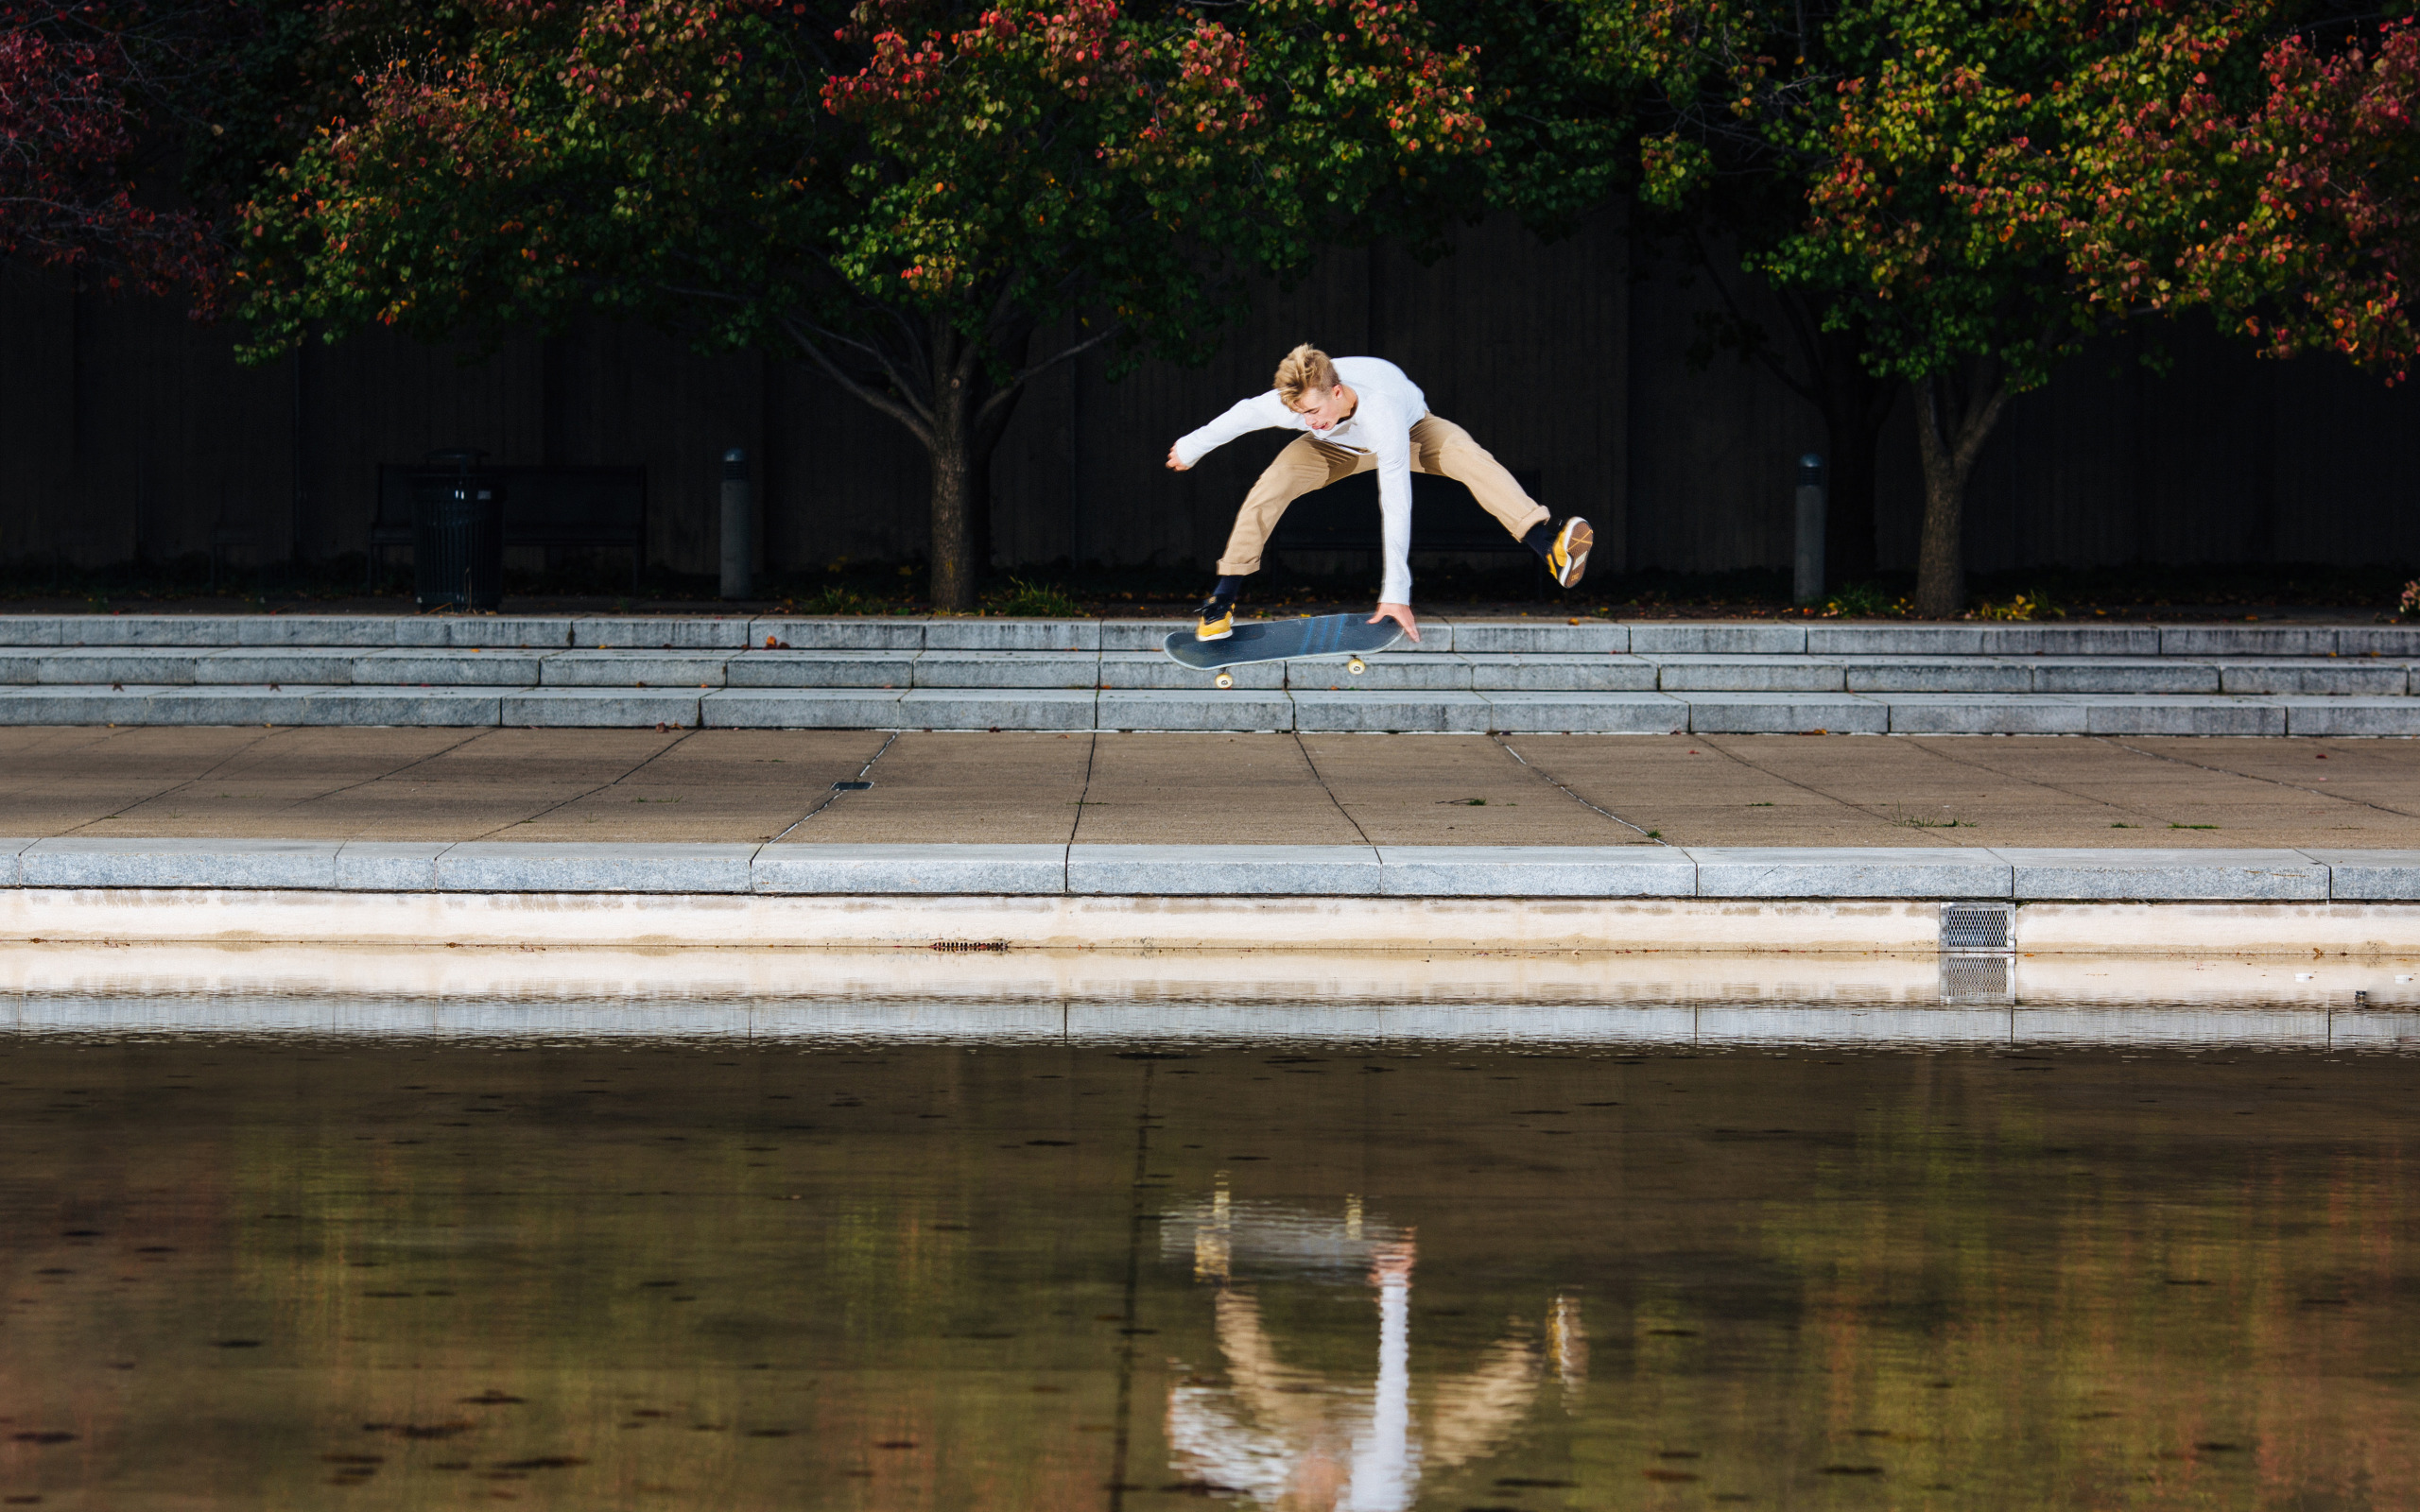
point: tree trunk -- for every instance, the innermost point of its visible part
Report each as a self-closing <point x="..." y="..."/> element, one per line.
<point x="978" y="466"/>
<point x="1953" y="420"/>
<point x="951" y="539"/>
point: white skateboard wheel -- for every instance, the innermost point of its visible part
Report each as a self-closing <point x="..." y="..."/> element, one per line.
<point x="1356" y="666"/>
<point x="1226" y="680"/>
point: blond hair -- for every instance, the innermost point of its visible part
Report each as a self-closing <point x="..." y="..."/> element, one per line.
<point x="1305" y="369"/>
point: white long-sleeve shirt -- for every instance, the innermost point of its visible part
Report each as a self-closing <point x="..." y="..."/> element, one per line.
<point x="1389" y="404"/>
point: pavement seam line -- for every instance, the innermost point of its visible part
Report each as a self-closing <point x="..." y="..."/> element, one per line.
<point x="1730" y="755"/>
<point x="1321" y="778"/>
<point x="590" y="793"/>
<point x="2221" y="772"/>
<point x="1574" y="797"/>
<point x="398" y="771"/>
<point x="834" y="791"/>
<point x="1919" y="740"/>
<point x="175" y="787"/>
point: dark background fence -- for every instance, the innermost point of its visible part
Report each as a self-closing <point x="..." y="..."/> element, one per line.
<point x="129" y="433"/>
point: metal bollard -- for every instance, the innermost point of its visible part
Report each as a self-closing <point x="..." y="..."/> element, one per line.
<point x="1806" y="582"/>
<point x="738" y="518"/>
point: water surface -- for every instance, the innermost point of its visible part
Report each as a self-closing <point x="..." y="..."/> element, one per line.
<point x="353" y="1271"/>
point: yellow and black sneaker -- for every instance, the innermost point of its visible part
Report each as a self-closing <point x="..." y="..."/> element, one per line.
<point x="1214" y="620"/>
<point x="1569" y="556"/>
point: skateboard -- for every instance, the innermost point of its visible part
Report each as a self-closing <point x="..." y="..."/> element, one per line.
<point x="1324" y="635"/>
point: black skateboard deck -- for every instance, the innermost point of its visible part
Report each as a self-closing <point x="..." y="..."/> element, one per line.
<point x="1325" y="635"/>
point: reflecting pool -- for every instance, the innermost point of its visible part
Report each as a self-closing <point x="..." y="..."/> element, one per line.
<point x="314" y="1271"/>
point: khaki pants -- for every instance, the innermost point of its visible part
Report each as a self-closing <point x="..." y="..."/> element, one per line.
<point x="1439" y="448"/>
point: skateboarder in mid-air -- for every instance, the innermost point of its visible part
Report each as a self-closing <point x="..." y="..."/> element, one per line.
<point x="1363" y="413"/>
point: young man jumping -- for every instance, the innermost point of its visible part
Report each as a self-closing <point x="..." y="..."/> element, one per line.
<point x="1363" y="413"/>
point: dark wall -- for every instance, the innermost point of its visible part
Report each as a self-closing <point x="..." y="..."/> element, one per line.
<point x="131" y="432"/>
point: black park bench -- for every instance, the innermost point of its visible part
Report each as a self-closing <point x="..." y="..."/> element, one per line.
<point x="548" y="507"/>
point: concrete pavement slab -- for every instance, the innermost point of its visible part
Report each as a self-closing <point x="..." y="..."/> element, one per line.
<point x="389" y="866"/>
<point x="1014" y="787"/>
<point x="2152" y="875"/>
<point x="874" y="870"/>
<point x="1035" y="709"/>
<point x="623" y="866"/>
<point x="1208" y="789"/>
<point x="1236" y="709"/>
<point x="1641" y="871"/>
<point x="81" y="861"/>
<point x="1212" y="870"/>
<point x="1874" y="872"/>
<point x="600" y="707"/>
<point x="821" y="669"/>
<point x="1450" y="790"/>
<point x="1601" y="714"/>
<point x="2353" y="876"/>
<point x="1735" y="713"/>
<point x="800" y="709"/>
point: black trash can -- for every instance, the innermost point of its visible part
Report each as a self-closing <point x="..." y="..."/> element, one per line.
<point x="457" y="533"/>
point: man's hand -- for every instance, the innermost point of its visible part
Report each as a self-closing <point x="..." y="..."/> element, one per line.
<point x="1401" y="614"/>
<point x="1176" y="466"/>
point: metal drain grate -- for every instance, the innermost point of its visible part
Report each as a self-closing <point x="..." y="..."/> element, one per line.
<point x="970" y="944"/>
<point x="1976" y="978"/>
<point x="1978" y="928"/>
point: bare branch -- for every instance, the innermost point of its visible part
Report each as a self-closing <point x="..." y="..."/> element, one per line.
<point x="917" y="425"/>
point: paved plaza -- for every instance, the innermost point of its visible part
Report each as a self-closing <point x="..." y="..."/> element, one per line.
<point x="1028" y="788"/>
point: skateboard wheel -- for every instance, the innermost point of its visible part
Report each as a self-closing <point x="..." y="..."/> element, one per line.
<point x="1226" y="680"/>
<point x="1356" y="666"/>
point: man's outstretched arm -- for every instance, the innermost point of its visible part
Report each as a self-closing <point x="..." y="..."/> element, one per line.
<point x="1257" y="413"/>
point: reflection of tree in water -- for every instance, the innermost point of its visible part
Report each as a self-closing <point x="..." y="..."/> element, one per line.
<point x="1303" y="1441"/>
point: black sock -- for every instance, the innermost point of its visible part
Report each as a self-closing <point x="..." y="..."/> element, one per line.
<point x="1226" y="588"/>
<point x="1540" y="538"/>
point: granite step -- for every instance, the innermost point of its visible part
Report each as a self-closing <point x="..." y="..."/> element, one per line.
<point x="1391" y="708"/>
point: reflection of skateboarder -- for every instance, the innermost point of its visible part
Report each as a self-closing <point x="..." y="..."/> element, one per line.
<point x="1363" y="413"/>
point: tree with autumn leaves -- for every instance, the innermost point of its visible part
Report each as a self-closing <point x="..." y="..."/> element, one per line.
<point x="92" y="95"/>
<point x="1967" y="191"/>
<point x="901" y="196"/>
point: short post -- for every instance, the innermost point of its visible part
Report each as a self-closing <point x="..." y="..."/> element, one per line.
<point x="1806" y="583"/>
<point x="738" y="518"/>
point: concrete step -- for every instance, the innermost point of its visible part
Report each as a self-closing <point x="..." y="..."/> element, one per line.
<point x="1362" y="707"/>
<point x="706" y="670"/>
<point x="1544" y="633"/>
